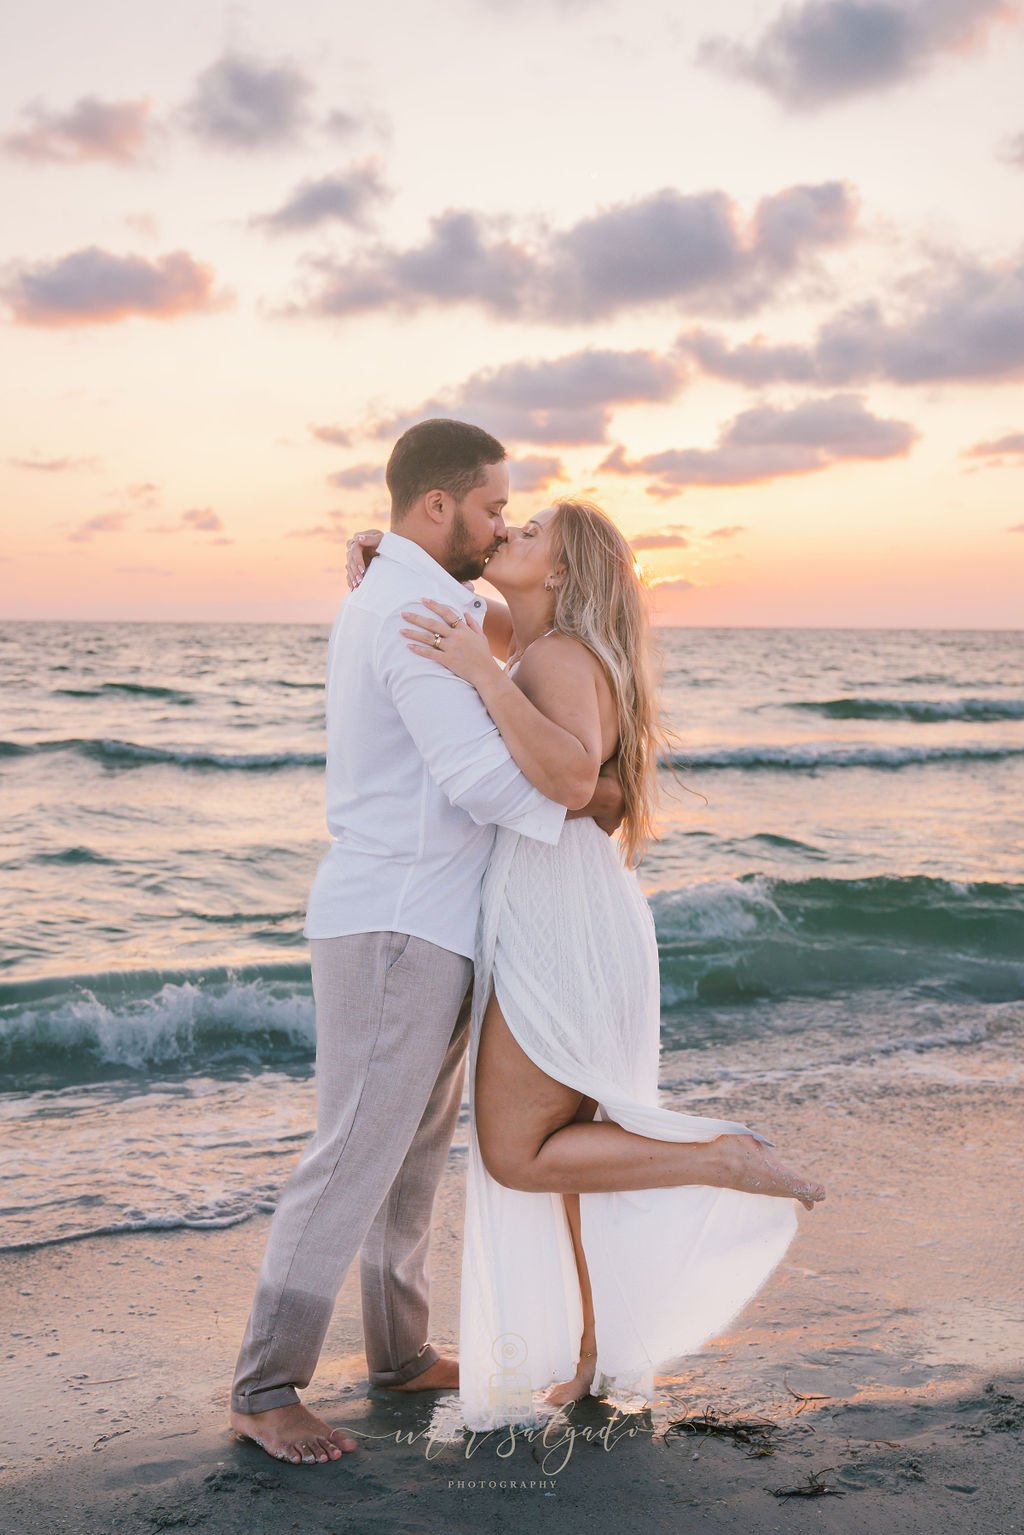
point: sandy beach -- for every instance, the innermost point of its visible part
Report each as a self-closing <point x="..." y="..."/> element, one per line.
<point x="884" y="1359"/>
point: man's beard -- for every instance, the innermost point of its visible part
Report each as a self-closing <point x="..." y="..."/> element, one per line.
<point x="461" y="560"/>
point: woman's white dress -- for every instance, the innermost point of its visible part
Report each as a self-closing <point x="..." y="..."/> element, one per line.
<point x="567" y="939"/>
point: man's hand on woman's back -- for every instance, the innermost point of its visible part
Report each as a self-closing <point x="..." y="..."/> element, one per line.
<point x="608" y="805"/>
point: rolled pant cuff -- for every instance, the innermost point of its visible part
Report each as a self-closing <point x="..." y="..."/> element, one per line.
<point x="427" y="1356"/>
<point x="265" y="1401"/>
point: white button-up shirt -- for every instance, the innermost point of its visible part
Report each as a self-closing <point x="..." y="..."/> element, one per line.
<point x="418" y="776"/>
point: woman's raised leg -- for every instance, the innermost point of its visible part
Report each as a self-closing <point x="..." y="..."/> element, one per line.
<point x="530" y="1138"/>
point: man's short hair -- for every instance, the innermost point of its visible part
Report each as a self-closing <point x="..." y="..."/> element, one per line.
<point x="438" y="455"/>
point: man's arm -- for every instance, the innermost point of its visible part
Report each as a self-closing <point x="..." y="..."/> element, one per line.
<point x="459" y="741"/>
<point x="608" y="805"/>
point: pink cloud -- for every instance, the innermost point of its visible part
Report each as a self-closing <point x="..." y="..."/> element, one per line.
<point x="103" y="522"/>
<point x="54" y="465"/>
<point x="90" y="130"/>
<point x="95" y="287"/>
<point x="203" y="518"/>
<point x="659" y="541"/>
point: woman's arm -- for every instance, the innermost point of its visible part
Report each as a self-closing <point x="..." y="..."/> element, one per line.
<point x="362" y="548"/>
<point x="549" y="717"/>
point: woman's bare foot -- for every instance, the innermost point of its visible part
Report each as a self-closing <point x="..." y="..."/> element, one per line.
<point x="749" y="1165"/>
<point x="294" y="1434"/>
<point x="579" y="1386"/>
<point x="439" y="1376"/>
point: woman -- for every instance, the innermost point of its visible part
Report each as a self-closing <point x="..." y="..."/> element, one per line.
<point x="605" y="1236"/>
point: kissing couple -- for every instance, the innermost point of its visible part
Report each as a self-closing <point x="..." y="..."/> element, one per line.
<point x="476" y="904"/>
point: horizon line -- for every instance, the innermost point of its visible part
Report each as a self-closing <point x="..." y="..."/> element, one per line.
<point x="326" y="623"/>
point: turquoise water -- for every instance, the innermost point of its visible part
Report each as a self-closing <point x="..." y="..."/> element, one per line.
<point x="841" y="874"/>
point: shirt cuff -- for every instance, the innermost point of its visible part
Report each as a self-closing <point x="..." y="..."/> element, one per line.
<point x="544" y="824"/>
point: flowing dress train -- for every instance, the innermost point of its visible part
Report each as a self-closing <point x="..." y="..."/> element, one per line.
<point x="567" y="940"/>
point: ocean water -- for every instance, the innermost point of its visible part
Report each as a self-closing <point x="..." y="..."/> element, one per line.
<point x="840" y="878"/>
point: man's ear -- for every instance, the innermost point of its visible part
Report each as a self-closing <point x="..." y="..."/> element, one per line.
<point x="434" y="505"/>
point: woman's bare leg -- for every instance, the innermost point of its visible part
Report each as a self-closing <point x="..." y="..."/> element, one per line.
<point x="579" y="1386"/>
<point x="530" y="1139"/>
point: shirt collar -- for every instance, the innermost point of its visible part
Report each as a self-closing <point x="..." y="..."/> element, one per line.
<point x="395" y="546"/>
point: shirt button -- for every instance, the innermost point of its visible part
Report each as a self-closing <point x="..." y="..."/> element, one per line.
<point x="477" y="603"/>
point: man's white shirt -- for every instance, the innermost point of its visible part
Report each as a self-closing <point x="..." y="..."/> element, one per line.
<point x="418" y="776"/>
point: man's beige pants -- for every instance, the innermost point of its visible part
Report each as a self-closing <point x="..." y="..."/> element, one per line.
<point x="392" y="1018"/>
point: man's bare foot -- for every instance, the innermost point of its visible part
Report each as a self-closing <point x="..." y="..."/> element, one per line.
<point x="753" y="1168"/>
<point x="294" y="1434"/>
<point x="579" y="1386"/>
<point x="439" y="1376"/>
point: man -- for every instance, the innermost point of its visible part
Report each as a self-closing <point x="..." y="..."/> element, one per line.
<point x="417" y="780"/>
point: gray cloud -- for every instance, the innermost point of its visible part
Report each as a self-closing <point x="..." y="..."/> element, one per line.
<point x="200" y="519"/>
<point x="145" y="224"/>
<point x="659" y="541"/>
<point x="337" y="436"/>
<point x="665" y="247"/>
<point x="534" y="472"/>
<point x="321" y="530"/>
<point x="95" y="287"/>
<point x="53" y="465"/>
<point x="145" y="491"/>
<point x="334" y="529"/>
<point x="243" y="102"/>
<point x="1013" y="443"/>
<point x="753" y="362"/>
<point x="92" y="129"/>
<point x="769" y="442"/>
<point x="963" y="321"/>
<point x="672" y="584"/>
<point x="505" y="8"/>
<point x="458" y="262"/>
<point x="567" y="401"/>
<point x="824" y="51"/>
<point x="347" y="197"/>
<point x="358" y="475"/>
<point x="103" y="522"/>
<point x="203" y="518"/>
<point x="1013" y="151"/>
<point x="344" y="126"/>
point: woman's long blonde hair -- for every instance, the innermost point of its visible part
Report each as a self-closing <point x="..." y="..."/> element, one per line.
<point x="602" y="602"/>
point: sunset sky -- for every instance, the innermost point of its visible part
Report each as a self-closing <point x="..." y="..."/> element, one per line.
<point x="750" y="276"/>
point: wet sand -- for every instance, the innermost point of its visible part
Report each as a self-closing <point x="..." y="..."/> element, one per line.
<point x="887" y="1351"/>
